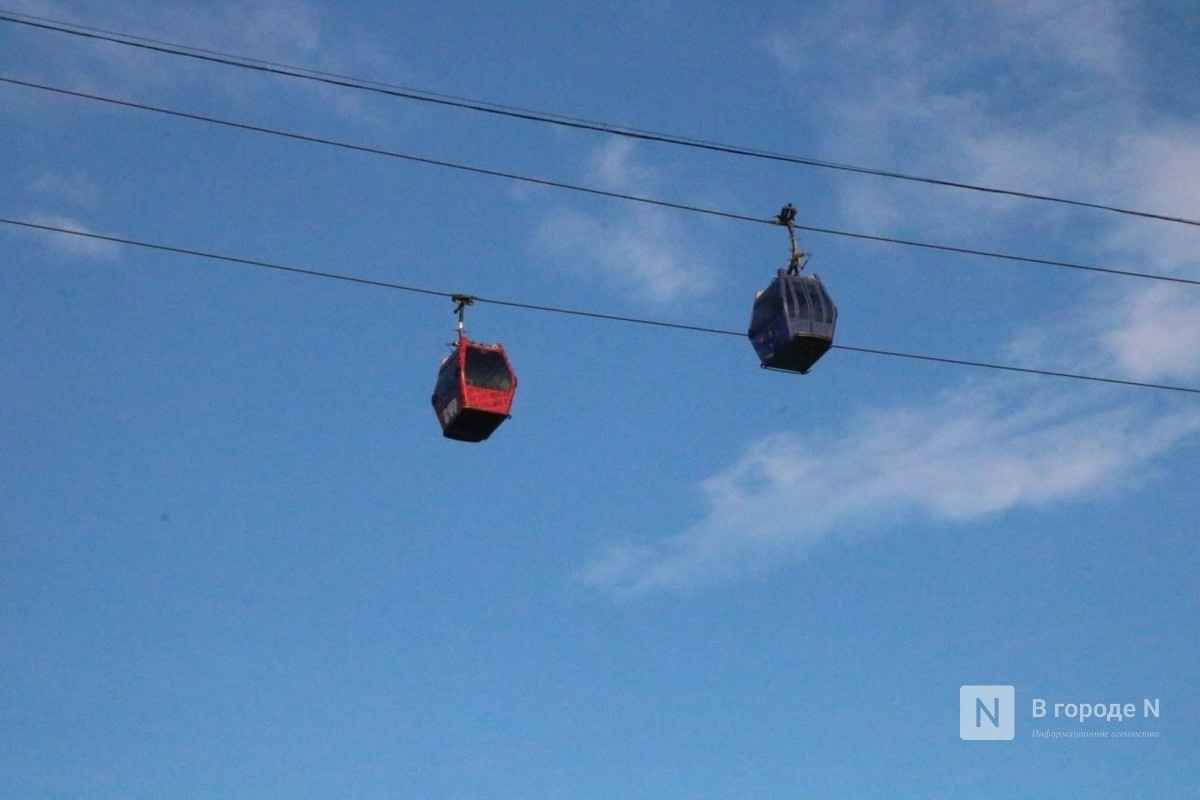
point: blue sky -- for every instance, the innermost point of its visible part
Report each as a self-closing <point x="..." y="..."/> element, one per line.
<point x="237" y="558"/>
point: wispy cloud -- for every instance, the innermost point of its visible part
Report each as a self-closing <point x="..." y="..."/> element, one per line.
<point x="75" y="188"/>
<point x="50" y="193"/>
<point x="1083" y="36"/>
<point x="270" y="29"/>
<point x="1153" y="331"/>
<point x="639" y="251"/>
<point x="1134" y="329"/>
<point x="1038" y="95"/>
<point x="281" y="32"/>
<point x="967" y="455"/>
<point x="74" y="246"/>
<point x="639" y="254"/>
<point x="1035" y="95"/>
<point x="1156" y="335"/>
<point x="1024" y="96"/>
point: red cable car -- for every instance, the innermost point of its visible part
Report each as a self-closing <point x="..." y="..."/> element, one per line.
<point x="475" y="387"/>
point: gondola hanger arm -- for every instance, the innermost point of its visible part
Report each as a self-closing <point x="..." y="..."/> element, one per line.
<point x="461" y="301"/>
<point x="787" y="218"/>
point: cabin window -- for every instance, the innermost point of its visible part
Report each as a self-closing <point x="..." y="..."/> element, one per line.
<point x="487" y="369"/>
<point x="447" y="380"/>
<point x="766" y="309"/>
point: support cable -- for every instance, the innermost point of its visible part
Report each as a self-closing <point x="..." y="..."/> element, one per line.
<point x="27" y="224"/>
<point x="347" y="82"/>
<point x="243" y="126"/>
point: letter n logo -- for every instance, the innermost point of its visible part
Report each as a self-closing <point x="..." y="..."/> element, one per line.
<point x="987" y="713"/>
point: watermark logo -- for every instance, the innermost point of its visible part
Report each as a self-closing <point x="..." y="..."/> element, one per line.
<point x="987" y="713"/>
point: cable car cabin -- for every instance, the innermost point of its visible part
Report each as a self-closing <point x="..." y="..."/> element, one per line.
<point x="792" y="322"/>
<point x="474" y="391"/>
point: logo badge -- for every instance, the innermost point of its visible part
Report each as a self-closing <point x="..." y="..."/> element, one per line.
<point x="987" y="713"/>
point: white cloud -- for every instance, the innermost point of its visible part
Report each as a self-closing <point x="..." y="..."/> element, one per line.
<point x="1036" y="95"/>
<point x="294" y="34"/>
<point x="1153" y="330"/>
<point x="73" y="245"/>
<point x="640" y="251"/>
<point x="75" y="188"/>
<point x="1040" y="96"/>
<point x="1137" y="329"/>
<point x="1024" y="96"/>
<point x="280" y="32"/>
<point x="965" y="456"/>
<point x="271" y="30"/>
<point x="638" y="254"/>
<point x="615" y="168"/>
<point x="1156" y="169"/>
<point x="1155" y="334"/>
<point x="1086" y="36"/>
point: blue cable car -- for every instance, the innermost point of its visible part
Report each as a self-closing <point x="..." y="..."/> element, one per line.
<point x="792" y="323"/>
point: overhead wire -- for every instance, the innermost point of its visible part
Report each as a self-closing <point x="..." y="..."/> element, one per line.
<point x="377" y="151"/>
<point x="399" y="92"/>
<point x="379" y="284"/>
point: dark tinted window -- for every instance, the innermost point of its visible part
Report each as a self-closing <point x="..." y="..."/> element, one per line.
<point x="766" y="309"/>
<point x="813" y="304"/>
<point x="815" y="299"/>
<point x="447" y="380"/>
<point x="822" y="300"/>
<point x="487" y="369"/>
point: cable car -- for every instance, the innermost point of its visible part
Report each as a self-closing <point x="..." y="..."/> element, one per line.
<point x="792" y="323"/>
<point x="475" y="387"/>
